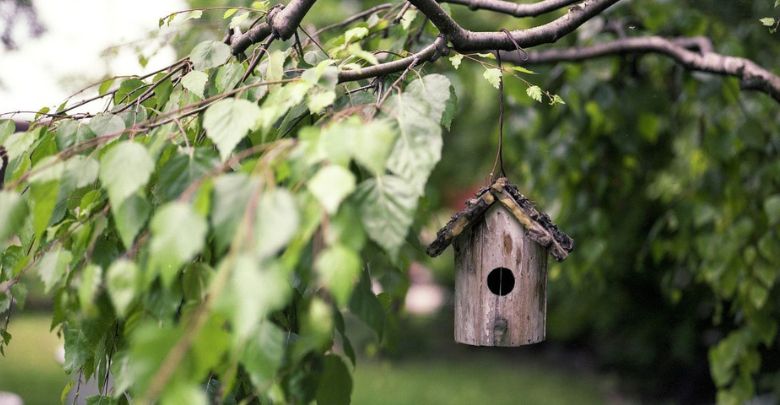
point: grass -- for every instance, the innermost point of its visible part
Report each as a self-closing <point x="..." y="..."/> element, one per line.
<point x="30" y="368"/>
<point x="484" y="380"/>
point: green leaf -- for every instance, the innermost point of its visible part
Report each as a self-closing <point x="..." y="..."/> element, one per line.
<point x="275" y="70"/>
<point x="43" y="198"/>
<point x="229" y="12"/>
<point x="758" y="295"/>
<point x="227" y="122"/>
<point x="237" y="20"/>
<point x="523" y="70"/>
<point x="105" y="124"/>
<point x="263" y="354"/>
<point x="277" y="221"/>
<point x="493" y="76"/>
<point x="228" y="76"/>
<point x="105" y="86"/>
<point x="130" y="218"/>
<point x="260" y="5"/>
<point x="72" y="132"/>
<point x="280" y="101"/>
<point x="408" y="18"/>
<point x="178" y="234"/>
<point x="769" y="247"/>
<point x="192" y="15"/>
<point x="195" y="82"/>
<point x="254" y="293"/>
<point x="7" y="127"/>
<point x="183" y="393"/>
<point x="53" y="267"/>
<point x="318" y="101"/>
<point x="331" y="185"/>
<point x="355" y="34"/>
<point x="335" y="386"/>
<point x="456" y="59"/>
<point x="557" y="100"/>
<point x="129" y="90"/>
<point x="209" y="54"/>
<point x="535" y="92"/>
<point x="339" y="269"/>
<point x="115" y="175"/>
<point x="767" y="21"/>
<point x="372" y="144"/>
<point x="387" y="206"/>
<point x="231" y="194"/>
<point x="13" y="211"/>
<point x="89" y="285"/>
<point x="123" y="281"/>
<point x="365" y="305"/>
<point x="18" y="143"/>
<point x="772" y="209"/>
<point x="418" y="111"/>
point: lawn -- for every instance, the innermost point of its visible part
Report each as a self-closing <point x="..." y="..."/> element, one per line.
<point x="30" y="370"/>
<point x="484" y="380"/>
<point x="30" y="367"/>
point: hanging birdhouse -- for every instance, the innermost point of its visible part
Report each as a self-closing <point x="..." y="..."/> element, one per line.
<point x="501" y="244"/>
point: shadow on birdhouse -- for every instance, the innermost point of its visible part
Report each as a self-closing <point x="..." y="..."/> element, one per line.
<point x="501" y="244"/>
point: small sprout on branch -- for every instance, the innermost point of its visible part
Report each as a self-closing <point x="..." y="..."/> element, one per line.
<point x="455" y="60"/>
<point x="535" y="92"/>
<point x="493" y="75"/>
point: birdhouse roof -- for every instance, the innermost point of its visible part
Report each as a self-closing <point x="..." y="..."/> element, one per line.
<point x="538" y="224"/>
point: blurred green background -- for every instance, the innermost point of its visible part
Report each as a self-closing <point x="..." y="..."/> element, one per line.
<point x="668" y="181"/>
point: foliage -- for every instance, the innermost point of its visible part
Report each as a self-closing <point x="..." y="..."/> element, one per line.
<point x="205" y="236"/>
<point x="182" y="247"/>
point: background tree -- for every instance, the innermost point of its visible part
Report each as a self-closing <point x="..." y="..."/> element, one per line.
<point x="218" y="217"/>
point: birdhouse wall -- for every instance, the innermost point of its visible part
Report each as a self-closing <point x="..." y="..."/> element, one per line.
<point x="482" y="317"/>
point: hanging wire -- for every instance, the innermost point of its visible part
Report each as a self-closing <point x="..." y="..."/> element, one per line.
<point x="499" y="161"/>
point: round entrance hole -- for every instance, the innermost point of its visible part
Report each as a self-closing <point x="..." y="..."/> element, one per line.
<point x="501" y="281"/>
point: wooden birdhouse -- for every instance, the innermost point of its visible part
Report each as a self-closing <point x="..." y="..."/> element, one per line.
<point x="501" y="244"/>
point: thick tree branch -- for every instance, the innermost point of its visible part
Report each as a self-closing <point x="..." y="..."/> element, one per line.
<point x="239" y="43"/>
<point x="464" y="40"/>
<point x="285" y="22"/>
<point x="281" y="21"/>
<point x="514" y="9"/>
<point x="430" y="52"/>
<point x="751" y="75"/>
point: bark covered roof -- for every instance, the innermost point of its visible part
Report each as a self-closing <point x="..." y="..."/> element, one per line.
<point x="538" y="224"/>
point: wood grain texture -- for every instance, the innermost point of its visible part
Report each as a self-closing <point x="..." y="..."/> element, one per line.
<point x="483" y="318"/>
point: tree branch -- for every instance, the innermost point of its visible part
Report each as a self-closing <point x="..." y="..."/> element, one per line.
<point x="281" y="21"/>
<point x="513" y="9"/>
<point x="429" y="53"/>
<point x="464" y="40"/>
<point x="751" y="75"/>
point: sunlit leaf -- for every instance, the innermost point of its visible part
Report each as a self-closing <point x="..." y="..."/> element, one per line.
<point x="195" y="81"/>
<point x="209" y="54"/>
<point x="418" y="111"/>
<point x="228" y="121"/>
<point x="13" y="211"/>
<point x="115" y="176"/>
<point x="123" y="280"/>
<point x="387" y="206"/>
<point x="535" y="92"/>
<point x="53" y="266"/>
<point x="339" y="269"/>
<point x="178" y="234"/>
<point x="493" y="76"/>
<point x="277" y="221"/>
<point x="331" y="185"/>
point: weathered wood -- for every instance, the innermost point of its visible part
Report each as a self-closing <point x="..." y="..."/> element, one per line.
<point x="483" y="318"/>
